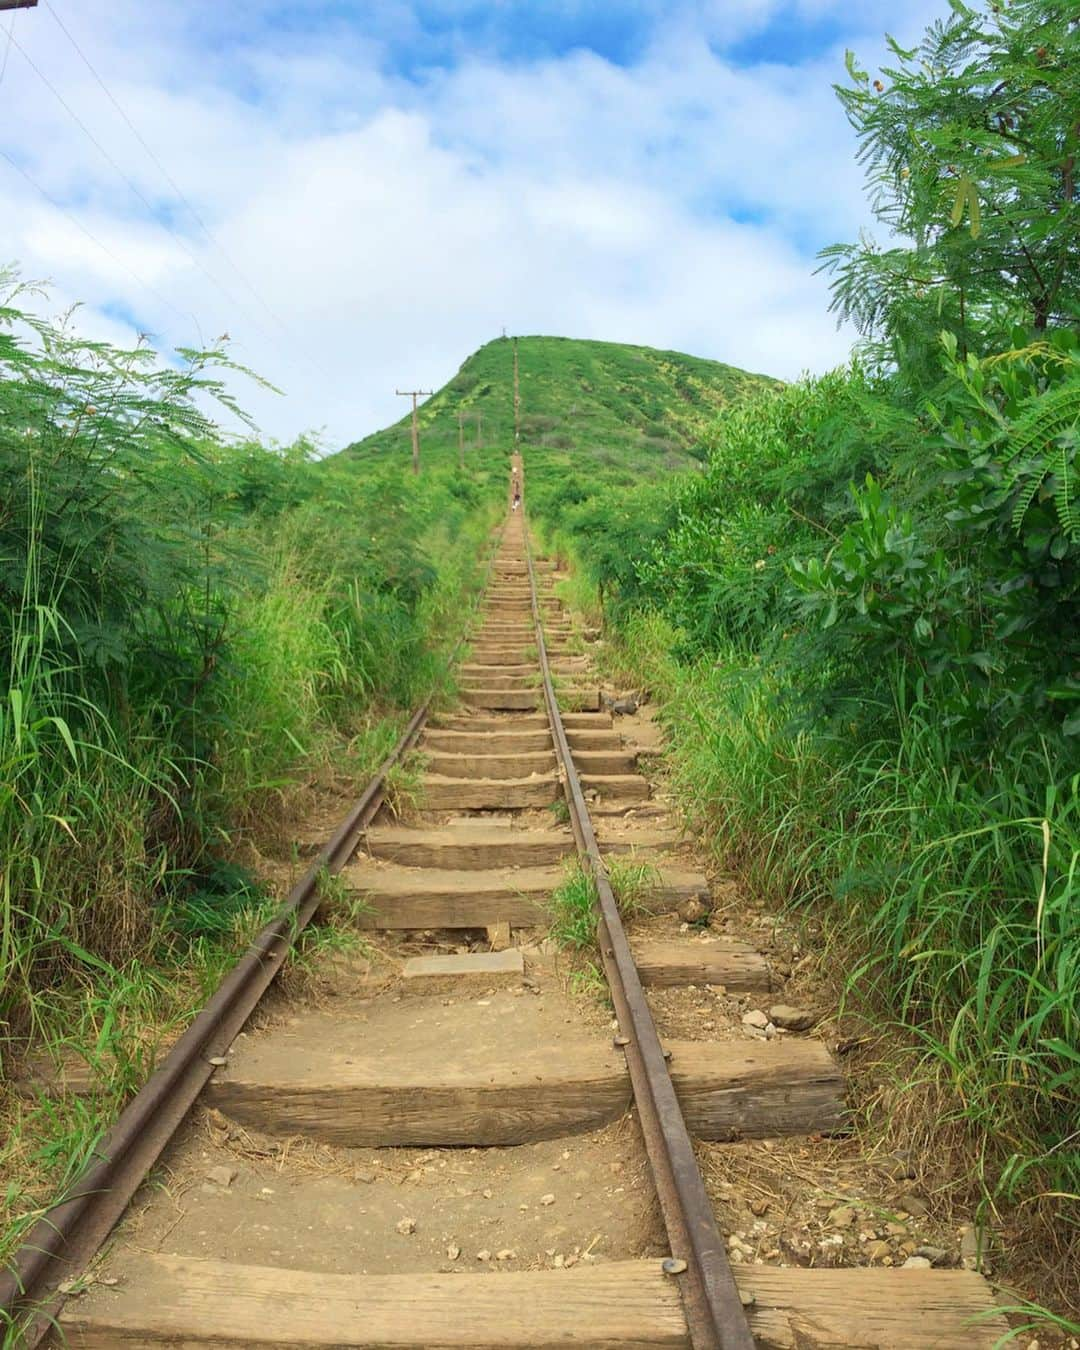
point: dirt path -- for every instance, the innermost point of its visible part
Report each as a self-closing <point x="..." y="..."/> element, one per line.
<point x="440" y="1150"/>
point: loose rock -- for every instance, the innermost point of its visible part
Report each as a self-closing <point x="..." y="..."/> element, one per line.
<point x="792" y="1019"/>
<point x="916" y="1263"/>
<point x="842" y="1217"/>
<point x="937" y="1256"/>
<point x="694" y="909"/>
<point x="914" y="1205"/>
<point x="756" y="1018"/>
<point x="222" y="1176"/>
<point x="406" y="1226"/>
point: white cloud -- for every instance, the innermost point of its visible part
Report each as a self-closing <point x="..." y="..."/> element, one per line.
<point x="390" y="227"/>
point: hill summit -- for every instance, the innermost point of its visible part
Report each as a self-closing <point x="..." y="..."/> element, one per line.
<point x="602" y="400"/>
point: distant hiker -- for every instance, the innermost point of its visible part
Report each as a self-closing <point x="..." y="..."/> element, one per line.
<point x="517" y="500"/>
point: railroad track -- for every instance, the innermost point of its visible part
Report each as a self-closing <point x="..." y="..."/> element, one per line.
<point x="467" y="1154"/>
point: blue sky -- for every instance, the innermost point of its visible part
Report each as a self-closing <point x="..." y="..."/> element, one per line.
<point x="384" y="186"/>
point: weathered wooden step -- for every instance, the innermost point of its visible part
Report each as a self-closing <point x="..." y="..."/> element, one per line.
<point x="487" y="742"/>
<point x="499" y="653"/>
<point x="192" y="1301"/>
<point x="501" y="698"/>
<point x="526" y="720"/>
<point x="498" y="677"/>
<point x="471" y="897"/>
<point x="736" y="965"/>
<point x="474" y="1096"/>
<point x="617" y="787"/>
<point x="493" y="848"/>
<point x="514" y="765"/>
<point x="462" y="972"/>
<point x="580" y="700"/>
<point x="605" y="762"/>
<point x="487" y="794"/>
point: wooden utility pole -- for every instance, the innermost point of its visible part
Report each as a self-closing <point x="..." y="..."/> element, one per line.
<point x="517" y="398"/>
<point x="414" y="394"/>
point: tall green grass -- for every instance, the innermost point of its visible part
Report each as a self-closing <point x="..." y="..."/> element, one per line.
<point x="955" y="896"/>
<point x="190" y="628"/>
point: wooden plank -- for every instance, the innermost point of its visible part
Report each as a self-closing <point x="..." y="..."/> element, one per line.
<point x="168" y="1300"/>
<point x="478" y="1098"/>
<point x="526" y="721"/>
<point x="462" y="972"/>
<point x="473" y="850"/>
<point x="490" y="765"/>
<point x="190" y="1301"/>
<point x="501" y="698"/>
<point x="487" y="743"/>
<point x="490" y="794"/>
<point x="736" y="965"/>
<point x="401" y="897"/>
<point x="620" y="787"/>
<point x="494" y="848"/>
<point x="870" y="1309"/>
<point x="580" y="700"/>
<point x="496" y="677"/>
<point x="616" y="761"/>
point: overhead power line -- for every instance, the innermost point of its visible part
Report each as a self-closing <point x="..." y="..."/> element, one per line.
<point x="59" y="206"/>
<point x="140" y="195"/>
<point x="196" y="217"/>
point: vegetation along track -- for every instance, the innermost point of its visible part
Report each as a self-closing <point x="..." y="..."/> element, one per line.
<point x="467" y="1152"/>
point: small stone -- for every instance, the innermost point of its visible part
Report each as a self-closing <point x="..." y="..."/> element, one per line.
<point x="842" y="1217"/>
<point x="792" y="1019"/>
<point x="916" y="1263"/>
<point x="453" y="1252"/>
<point x="914" y="1205"/>
<point x="483" y="1255"/>
<point x="218" y="1061"/>
<point x="755" y="1019"/>
<point x="558" y="1260"/>
<point x="221" y="1176"/>
<point x="406" y="1226"/>
<point x="364" y="1176"/>
<point x="548" y="1199"/>
<point x="486" y="1192"/>
<point x="571" y="1260"/>
<point x="693" y="910"/>
<point x="672" y="1265"/>
<point x="937" y="1256"/>
<point x="746" y="1298"/>
<point x="507" y="1254"/>
<point x="759" y="1207"/>
<point x="896" y="1229"/>
<point x="877" y="1250"/>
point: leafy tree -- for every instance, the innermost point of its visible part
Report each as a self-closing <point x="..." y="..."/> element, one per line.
<point x="970" y="143"/>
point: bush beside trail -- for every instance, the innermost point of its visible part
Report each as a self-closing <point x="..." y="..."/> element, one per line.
<point x="862" y="619"/>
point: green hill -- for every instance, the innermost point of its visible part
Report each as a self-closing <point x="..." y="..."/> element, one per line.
<point x="632" y="408"/>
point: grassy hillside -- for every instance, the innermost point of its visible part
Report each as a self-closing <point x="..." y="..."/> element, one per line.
<point x="636" y="408"/>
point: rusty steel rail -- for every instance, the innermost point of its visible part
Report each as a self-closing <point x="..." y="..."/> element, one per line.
<point x="714" y="1311"/>
<point x="66" y="1238"/>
